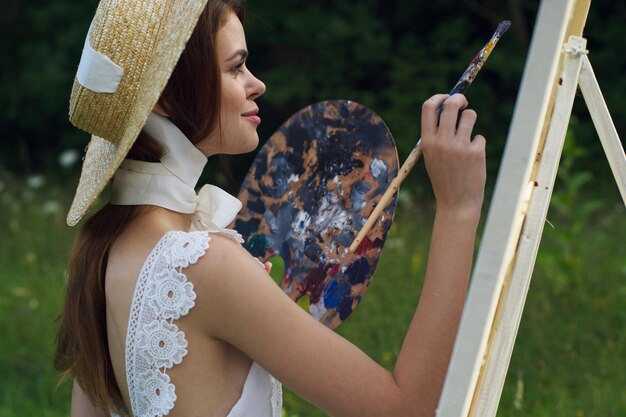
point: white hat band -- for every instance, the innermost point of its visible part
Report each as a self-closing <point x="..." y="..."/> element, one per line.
<point x="96" y="71"/>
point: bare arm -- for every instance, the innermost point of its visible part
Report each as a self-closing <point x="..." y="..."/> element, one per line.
<point x="238" y="303"/>
<point x="81" y="406"/>
<point x="456" y="166"/>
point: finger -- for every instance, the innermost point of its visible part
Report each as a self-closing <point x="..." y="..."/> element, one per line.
<point x="466" y="125"/>
<point x="480" y="143"/>
<point x="479" y="140"/>
<point x="429" y="115"/>
<point x="268" y="266"/>
<point x="450" y="114"/>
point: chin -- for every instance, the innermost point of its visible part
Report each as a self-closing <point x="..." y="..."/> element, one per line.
<point x="252" y="143"/>
<point x="246" y="146"/>
<point x="252" y="147"/>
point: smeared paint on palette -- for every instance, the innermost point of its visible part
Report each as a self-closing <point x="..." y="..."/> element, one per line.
<point x="308" y="193"/>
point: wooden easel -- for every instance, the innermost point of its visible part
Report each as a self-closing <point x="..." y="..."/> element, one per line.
<point x="557" y="64"/>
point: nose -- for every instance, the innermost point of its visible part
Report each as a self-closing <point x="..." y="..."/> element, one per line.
<point x="256" y="87"/>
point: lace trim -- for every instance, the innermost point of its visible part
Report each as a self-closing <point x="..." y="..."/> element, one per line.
<point x="154" y="343"/>
<point x="277" y="397"/>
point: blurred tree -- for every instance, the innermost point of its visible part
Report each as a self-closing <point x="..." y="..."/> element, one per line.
<point x="388" y="55"/>
<point x="40" y="46"/>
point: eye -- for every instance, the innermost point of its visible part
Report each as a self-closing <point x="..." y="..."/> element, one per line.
<point x="238" y="69"/>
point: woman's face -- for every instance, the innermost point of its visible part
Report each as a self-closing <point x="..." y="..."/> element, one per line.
<point x="238" y="114"/>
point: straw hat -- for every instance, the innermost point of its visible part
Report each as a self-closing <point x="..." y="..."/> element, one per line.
<point x="130" y="52"/>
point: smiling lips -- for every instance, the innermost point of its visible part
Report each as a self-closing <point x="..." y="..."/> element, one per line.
<point x="252" y="116"/>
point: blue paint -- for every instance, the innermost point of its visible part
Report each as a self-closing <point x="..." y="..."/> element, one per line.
<point x="256" y="206"/>
<point x="357" y="271"/>
<point x="345" y="308"/>
<point x="334" y="294"/>
<point x="312" y="250"/>
<point x="247" y="228"/>
<point x="256" y="245"/>
<point x="280" y="172"/>
<point x="358" y="193"/>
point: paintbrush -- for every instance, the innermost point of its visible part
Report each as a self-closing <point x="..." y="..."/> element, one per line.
<point x="461" y="87"/>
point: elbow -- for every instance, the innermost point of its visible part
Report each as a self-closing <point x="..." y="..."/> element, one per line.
<point x="403" y="403"/>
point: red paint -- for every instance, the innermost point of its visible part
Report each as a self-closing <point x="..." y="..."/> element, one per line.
<point x="366" y="245"/>
<point x="315" y="283"/>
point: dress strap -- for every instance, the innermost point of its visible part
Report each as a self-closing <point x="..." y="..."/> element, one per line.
<point x="154" y="343"/>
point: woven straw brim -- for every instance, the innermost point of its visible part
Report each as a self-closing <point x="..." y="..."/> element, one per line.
<point x="147" y="41"/>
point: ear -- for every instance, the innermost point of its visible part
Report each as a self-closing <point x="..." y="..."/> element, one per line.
<point x="158" y="109"/>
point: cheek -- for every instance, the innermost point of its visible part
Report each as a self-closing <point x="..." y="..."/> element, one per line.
<point x="233" y="99"/>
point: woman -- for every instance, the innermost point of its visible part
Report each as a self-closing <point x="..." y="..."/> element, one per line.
<point x="166" y="313"/>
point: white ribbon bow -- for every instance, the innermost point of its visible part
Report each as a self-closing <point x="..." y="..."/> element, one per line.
<point x="215" y="210"/>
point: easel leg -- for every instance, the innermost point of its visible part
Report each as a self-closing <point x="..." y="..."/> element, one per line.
<point x="604" y="125"/>
<point x="557" y="19"/>
<point x="513" y="296"/>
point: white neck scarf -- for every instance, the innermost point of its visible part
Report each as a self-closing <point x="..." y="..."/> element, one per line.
<point x="170" y="183"/>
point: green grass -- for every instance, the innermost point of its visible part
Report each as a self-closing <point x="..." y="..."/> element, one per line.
<point x="570" y="355"/>
<point x="33" y="252"/>
<point x="569" y="358"/>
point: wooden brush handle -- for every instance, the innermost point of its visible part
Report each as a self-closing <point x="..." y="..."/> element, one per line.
<point x="461" y="87"/>
<point x="386" y="198"/>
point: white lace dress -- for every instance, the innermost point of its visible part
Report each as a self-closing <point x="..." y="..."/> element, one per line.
<point x="154" y="343"/>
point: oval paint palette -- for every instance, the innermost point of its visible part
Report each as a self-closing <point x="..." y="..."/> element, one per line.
<point x="308" y="193"/>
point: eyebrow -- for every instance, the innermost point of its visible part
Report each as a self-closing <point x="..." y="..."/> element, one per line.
<point x="240" y="52"/>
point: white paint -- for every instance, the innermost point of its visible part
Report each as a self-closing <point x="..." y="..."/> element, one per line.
<point x="300" y="226"/>
<point x="317" y="310"/>
<point x="377" y="167"/>
<point x="337" y="181"/>
<point x="303" y="220"/>
<point x="331" y="214"/>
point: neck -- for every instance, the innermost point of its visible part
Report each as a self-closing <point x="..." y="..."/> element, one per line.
<point x="166" y="219"/>
<point x="169" y="183"/>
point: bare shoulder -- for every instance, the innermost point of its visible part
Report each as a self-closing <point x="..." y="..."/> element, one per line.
<point x="130" y="250"/>
<point x="224" y="278"/>
<point x="220" y="246"/>
<point x="224" y="254"/>
<point x="139" y="238"/>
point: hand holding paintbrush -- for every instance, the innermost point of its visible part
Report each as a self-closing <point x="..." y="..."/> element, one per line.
<point x="461" y="87"/>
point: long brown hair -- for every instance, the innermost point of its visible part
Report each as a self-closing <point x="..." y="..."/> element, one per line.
<point x="191" y="100"/>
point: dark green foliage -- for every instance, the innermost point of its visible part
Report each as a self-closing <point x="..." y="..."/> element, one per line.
<point x="40" y="47"/>
<point x="388" y="55"/>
